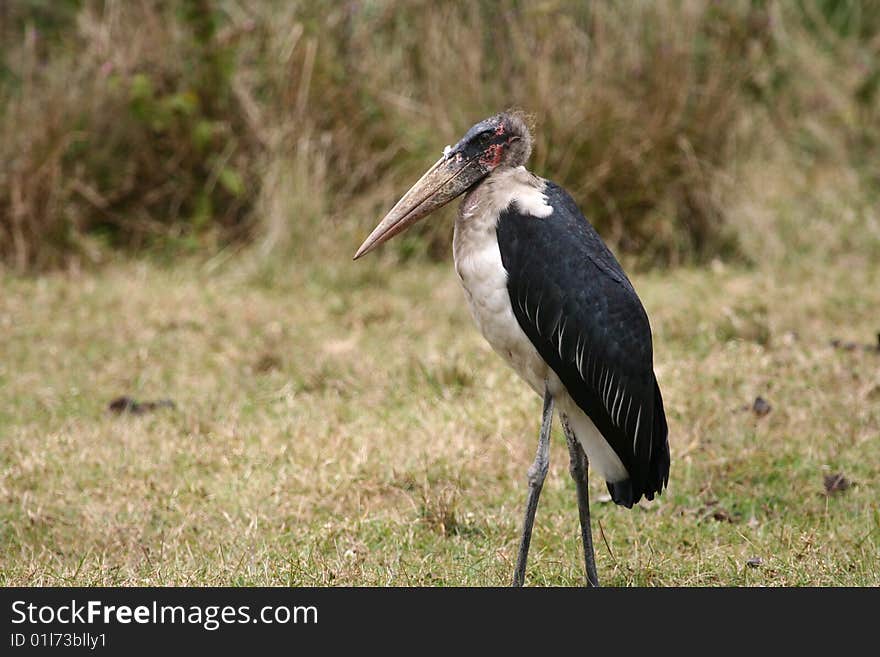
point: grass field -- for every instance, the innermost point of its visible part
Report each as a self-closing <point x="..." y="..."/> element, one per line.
<point x="345" y="424"/>
<point x="184" y="183"/>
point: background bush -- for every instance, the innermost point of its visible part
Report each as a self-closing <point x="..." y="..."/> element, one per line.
<point x="682" y="128"/>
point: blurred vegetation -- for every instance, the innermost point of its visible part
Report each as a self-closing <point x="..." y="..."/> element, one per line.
<point x="190" y="125"/>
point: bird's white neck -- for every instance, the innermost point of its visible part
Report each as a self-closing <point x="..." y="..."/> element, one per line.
<point x="504" y="186"/>
<point x="479" y="267"/>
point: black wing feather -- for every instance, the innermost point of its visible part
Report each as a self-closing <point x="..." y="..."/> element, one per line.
<point x="576" y="305"/>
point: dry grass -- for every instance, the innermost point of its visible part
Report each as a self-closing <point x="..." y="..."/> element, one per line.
<point x="191" y="125"/>
<point x="345" y="424"/>
<point x="341" y="423"/>
<point x="123" y="135"/>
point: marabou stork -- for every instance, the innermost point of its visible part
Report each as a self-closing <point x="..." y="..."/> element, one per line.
<point x="553" y="301"/>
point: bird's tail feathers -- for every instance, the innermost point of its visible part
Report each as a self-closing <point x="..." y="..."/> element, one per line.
<point x="627" y="492"/>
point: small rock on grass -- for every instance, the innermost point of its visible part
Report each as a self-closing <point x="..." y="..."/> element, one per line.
<point x="125" y="404"/>
<point x="836" y="483"/>
<point x="849" y="345"/>
<point x="761" y="407"/>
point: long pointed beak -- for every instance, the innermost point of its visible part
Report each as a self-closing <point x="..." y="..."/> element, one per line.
<point x="450" y="177"/>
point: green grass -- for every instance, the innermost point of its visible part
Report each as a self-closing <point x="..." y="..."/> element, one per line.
<point x="345" y="424"/>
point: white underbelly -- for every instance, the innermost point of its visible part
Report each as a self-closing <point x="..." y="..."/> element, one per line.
<point x="484" y="279"/>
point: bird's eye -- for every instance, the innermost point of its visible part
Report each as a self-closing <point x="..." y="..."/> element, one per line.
<point x="485" y="137"/>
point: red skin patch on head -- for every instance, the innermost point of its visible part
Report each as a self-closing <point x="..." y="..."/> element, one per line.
<point x="500" y="129"/>
<point x="492" y="156"/>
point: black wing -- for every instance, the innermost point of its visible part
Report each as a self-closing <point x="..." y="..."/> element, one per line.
<point x="579" y="309"/>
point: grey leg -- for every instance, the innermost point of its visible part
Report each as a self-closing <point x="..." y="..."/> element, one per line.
<point x="578" y="469"/>
<point x="537" y="473"/>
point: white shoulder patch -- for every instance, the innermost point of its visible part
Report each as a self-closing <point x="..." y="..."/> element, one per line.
<point x="534" y="203"/>
<point x="522" y="188"/>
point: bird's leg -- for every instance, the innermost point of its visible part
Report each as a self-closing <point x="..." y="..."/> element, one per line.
<point x="578" y="468"/>
<point x="537" y="473"/>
